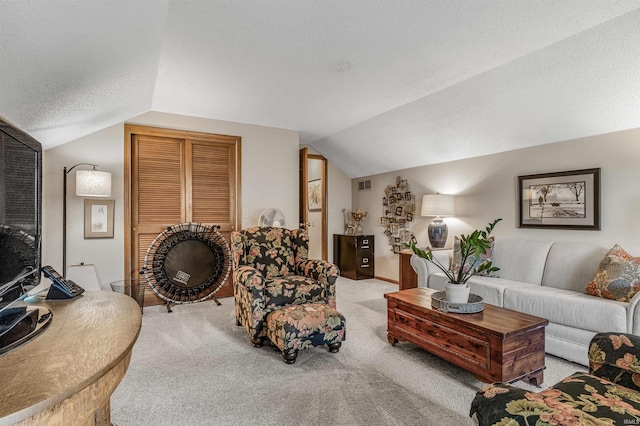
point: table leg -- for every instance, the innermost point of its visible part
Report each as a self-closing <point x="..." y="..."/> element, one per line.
<point x="392" y="339"/>
<point x="102" y="415"/>
<point x="536" y="378"/>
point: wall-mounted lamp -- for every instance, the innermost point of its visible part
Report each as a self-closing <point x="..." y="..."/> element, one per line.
<point x="437" y="205"/>
<point x="89" y="183"/>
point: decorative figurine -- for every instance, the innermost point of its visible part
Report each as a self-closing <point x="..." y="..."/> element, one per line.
<point x="358" y="215"/>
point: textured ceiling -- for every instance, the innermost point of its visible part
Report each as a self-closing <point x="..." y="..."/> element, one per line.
<point x="374" y="86"/>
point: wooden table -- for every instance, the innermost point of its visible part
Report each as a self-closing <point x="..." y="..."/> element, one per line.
<point x="407" y="276"/>
<point x="496" y="344"/>
<point x="66" y="374"/>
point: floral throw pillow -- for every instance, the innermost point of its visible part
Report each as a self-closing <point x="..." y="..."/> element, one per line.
<point x="617" y="276"/>
<point x="472" y="262"/>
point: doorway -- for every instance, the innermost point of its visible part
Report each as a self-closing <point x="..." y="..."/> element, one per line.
<point x="313" y="202"/>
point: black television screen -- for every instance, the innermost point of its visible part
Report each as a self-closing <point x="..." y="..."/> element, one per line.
<point x="20" y="212"/>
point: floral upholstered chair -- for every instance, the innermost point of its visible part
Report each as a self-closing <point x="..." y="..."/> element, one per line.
<point x="271" y="270"/>
<point x="608" y="395"/>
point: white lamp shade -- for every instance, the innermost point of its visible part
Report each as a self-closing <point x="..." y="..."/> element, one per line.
<point x="438" y="205"/>
<point x="93" y="183"/>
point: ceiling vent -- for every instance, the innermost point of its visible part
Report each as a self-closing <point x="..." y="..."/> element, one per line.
<point x="364" y="185"/>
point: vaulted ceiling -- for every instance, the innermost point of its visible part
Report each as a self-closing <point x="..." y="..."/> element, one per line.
<point x="374" y="86"/>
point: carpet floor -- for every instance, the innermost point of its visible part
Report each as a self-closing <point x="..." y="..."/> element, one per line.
<point x="194" y="366"/>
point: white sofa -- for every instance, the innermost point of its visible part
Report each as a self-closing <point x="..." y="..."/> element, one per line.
<point x="547" y="279"/>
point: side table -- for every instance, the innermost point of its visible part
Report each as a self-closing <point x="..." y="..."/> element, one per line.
<point x="407" y="276"/>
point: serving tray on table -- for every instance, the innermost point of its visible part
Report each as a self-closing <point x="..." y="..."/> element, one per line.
<point x="474" y="305"/>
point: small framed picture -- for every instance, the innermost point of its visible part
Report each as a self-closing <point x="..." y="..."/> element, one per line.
<point x="384" y="201"/>
<point x="399" y="196"/>
<point x="314" y="191"/>
<point x="397" y="248"/>
<point x="399" y="211"/>
<point x="98" y="218"/>
<point x="392" y="199"/>
<point x="409" y="217"/>
<point x="407" y="196"/>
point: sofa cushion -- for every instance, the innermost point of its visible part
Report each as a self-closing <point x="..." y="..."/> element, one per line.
<point x="572" y="265"/>
<point x="568" y="307"/>
<point x="473" y="261"/>
<point x="292" y="290"/>
<point x="490" y="289"/>
<point x="437" y="281"/>
<point x="617" y="276"/>
<point x="521" y="260"/>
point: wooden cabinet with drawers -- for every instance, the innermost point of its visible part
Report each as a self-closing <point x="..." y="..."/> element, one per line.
<point x="354" y="255"/>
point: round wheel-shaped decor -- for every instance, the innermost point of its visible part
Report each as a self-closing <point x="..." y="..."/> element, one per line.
<point x="187" y="263"/>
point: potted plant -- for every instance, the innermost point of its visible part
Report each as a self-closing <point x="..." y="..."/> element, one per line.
<point x="471" y="247"/>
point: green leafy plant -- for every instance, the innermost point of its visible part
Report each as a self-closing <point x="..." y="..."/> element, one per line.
<point x="471" y="246"/>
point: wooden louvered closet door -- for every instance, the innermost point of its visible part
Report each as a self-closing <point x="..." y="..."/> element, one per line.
<point x="178" y="177"/>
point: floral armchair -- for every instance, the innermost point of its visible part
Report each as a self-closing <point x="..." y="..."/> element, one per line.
<point x="609" y="394"/>
<point x="271" y="269"/>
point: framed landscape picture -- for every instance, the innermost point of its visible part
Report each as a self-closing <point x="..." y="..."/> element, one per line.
<point x="569" y="200"/>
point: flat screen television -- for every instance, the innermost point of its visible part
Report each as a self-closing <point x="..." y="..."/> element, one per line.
<point x="20" y="212"/>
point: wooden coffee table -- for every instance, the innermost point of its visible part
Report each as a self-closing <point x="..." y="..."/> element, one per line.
<point x="495" y="345"/>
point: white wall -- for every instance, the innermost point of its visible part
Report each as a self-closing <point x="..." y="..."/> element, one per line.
<point x="269" y="179"/>
<point x="486" y="188"/>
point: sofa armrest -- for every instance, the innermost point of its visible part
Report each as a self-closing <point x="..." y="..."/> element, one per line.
<point x="421" y="267"/>
<point x="425" y="268"/>
<point x="325" y="272"/>
<point x="633" y="315"/>
<point x="249" y="294"/>
<point x="490" y="404"/>
<point x="249" y="278"/>
<point x="614" y="356"/>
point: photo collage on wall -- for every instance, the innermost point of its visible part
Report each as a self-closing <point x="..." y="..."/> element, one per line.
<point x="398" y="206"/>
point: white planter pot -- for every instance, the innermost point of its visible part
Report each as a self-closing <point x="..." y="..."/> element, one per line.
<point x="457" y="293"/>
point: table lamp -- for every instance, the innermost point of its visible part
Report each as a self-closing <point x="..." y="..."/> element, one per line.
<point x="437" y="205"/>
